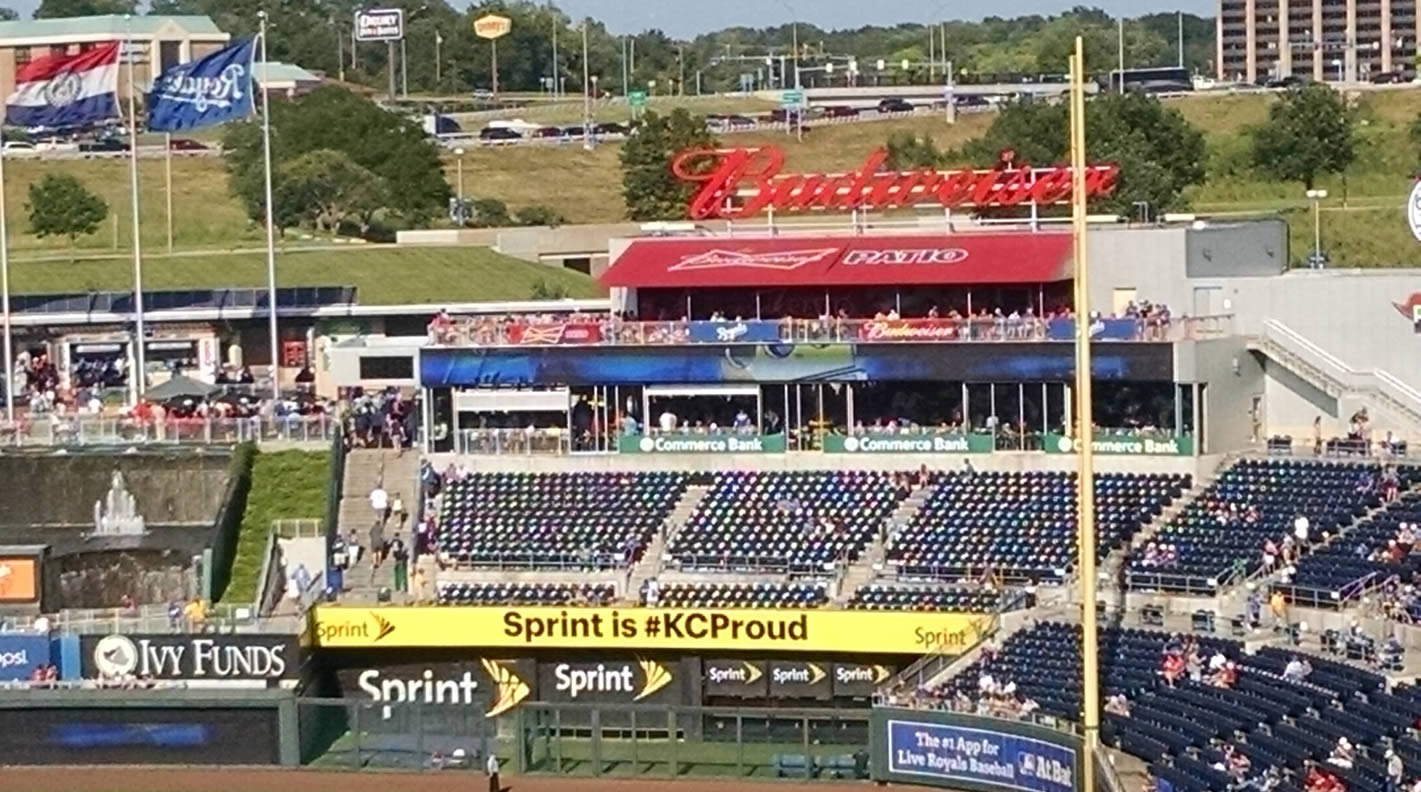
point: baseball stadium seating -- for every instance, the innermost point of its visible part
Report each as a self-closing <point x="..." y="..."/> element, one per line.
<point x="1212" y="535"/>
<point x="542" y="520"/>
<point x="1181" y="729"/>
<point x="892" y="596"/>
<point x="741" y="595"/>
<point x="1022" y="525"/>
<point x="802" y="520"/>
<point x="1347" y="563"/>
<point x="460" y="593"/>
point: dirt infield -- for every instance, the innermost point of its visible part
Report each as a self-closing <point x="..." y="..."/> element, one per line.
<point x="148" y="779"/>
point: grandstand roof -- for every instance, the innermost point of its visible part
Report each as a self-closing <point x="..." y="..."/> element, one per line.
<point x="842" y="261"/>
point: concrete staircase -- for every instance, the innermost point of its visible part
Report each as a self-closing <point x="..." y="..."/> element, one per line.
<point x="870" y="563"/>
<point x="652" y="561"/>
<point x="364" y="470"/>
<point x="1391" y="401"/>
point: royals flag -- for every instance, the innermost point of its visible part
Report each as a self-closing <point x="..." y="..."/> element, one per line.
<point x="206" y="92"/>
<point x="66" y="90"/>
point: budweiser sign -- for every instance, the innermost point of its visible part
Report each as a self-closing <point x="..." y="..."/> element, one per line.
<point x="908" y="330"/>
<point x="742" y="182"/>
<point x="555" y="334"/>
<point x="726" y="259"/>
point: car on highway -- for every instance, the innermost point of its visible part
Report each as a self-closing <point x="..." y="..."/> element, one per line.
<point x="499" y="133"/>
<point x="55" y="145"/>
<point x="840" y="111"/>
<point x="895" y="106"/>
<point x="186" y="144"/>
<point x="106" y="145"/>
<point x="548" y="132"/>
<point x="18" y="147"/>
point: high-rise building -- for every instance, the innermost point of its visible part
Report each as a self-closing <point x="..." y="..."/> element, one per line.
<point x="1333" y="40"/>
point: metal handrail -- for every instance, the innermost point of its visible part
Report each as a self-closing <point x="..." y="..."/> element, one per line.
<point x="603" y="330"/>
<point x="89" y="430"/>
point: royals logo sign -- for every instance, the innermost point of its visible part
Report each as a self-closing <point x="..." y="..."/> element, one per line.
<point x="743" y="182"/>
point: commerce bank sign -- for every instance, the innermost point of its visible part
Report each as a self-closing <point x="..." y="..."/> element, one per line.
<point x="743" y="182"/>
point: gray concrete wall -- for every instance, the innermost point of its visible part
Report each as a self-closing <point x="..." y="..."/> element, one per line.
<point x="1292" y="403"/>
<point x="1233" y="377"/>
<point x="171" y="487"/>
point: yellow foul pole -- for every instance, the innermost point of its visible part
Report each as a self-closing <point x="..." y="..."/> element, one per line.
<point x="1085" y="480"/>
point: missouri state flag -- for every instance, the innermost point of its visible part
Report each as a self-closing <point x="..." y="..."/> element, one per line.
<point x="66" y="90"/>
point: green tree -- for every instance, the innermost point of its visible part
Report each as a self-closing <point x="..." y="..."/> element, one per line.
<point x="8" y="14"/>
<point x="538" y="215"/>
<point x="392" y="148"/>
<point x="650" y="189"/>
<point x="907" y="151"/>
<point x="1310" y="131"/>
<point x="490" y="213"/>
<point x="60" y="205"/>
<point x="327" y="189"/>
<point x="54" y="9"/>
<point x="1159" y="153"/>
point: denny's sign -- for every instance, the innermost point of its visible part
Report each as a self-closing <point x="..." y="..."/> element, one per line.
<point x="743" y="182"/>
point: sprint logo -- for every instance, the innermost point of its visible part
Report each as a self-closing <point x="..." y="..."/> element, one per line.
<point x="508" y="689"/>
<point x="614" y="678"/>
<point x="741" y="673"/>
<point x="807" y="674"/>
<point x="873" y="674"/>
<point x="354" y="632"/>
<point x="656" y="677"/>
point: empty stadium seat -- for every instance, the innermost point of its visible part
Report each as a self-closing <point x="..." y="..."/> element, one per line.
<point x="1022" y="525"/>
<point x="1349" y="563"/>
<point x="460" y="593"/>
<point x="1214" y="535"/>
<point x="798" y="521"/>
<point x="589" y="520"/>
<point x="741" y="595"/>
<point x="878" y="596"/>
<point x="1181" y="729"/>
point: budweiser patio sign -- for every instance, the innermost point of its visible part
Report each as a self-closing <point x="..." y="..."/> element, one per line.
<point x="908" y="330"/>
<point x="743" y="182"/>
<point x="785" y="260"/>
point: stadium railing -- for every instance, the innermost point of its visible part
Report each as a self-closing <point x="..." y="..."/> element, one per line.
<point x="1189" y="585"/>
<point x="1328" y="598"/>
<point x="515" y="442"/>
<point x="221" y="618"/>
<point x="90" y="430"/>
<point x="604" y="331"/>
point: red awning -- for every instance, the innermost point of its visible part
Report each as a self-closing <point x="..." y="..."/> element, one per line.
<point x="843" y="261"/>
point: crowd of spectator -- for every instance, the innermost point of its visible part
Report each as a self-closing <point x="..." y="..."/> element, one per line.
<point x="1000" y="323"/>
<point x="380" y="419"/>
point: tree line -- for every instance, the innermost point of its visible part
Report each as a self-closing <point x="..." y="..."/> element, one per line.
<point x="315" y="34"/>
<point x="1311" y="131"/>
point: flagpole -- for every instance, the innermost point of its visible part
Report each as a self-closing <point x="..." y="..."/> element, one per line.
<point x="168" y="180"/>
<point x="5" y="298"/>
<point x="141" y="367"/>
<point x="270" y="223"/>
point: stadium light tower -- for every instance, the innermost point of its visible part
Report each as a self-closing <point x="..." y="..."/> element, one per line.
<point x="1085" y="455"/>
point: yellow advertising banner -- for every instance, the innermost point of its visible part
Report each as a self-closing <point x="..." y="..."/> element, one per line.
<point x="683" y="630"/>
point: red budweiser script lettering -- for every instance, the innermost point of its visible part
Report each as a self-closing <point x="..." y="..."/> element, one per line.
<point x="908" y="330"/>
<point x="743" y="182"/>
<point x="554" y="334"/>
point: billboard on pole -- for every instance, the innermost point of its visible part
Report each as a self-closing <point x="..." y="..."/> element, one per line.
<point x="380" y="24"/>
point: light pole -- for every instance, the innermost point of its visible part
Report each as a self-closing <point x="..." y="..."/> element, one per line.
<point x="586" y="91"/>
<point x="459" y="171"/>
<point x="1316" y="197"/>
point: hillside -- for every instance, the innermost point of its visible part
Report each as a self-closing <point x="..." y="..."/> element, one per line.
<point x="1363" y="221"/>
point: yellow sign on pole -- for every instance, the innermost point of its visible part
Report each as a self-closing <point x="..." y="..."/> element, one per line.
<point x="492" y="26"/>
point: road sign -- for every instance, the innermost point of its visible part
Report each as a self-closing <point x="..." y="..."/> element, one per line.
<point x="792" y="98"/>
<point x="380" y="24"/>
<point x="636" y="98"/>
<point x="492" y="26"/>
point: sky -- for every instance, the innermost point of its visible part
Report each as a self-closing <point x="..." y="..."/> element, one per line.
<point x="687" y="18"/>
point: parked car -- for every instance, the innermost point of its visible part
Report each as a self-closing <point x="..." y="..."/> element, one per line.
<point x="895" y="106"/>
<point x="1388" y="78"/>
<point x="610" y="128"/>
<point x="103" y="146"/>
<point x="56" y="144"/>
<point x="499" y="133"/>
<point x="186" y="144"/>
<point x="547" y="132"/>
<point x="840" y="111"/>
<point x="19" y="147"/>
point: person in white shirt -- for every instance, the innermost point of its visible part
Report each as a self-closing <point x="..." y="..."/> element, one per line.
<point x="491" y="768"/>
<point x="1218" y="661"/>
<point x="380" y="504"/>
<point x="42" y="625"/>
<point x="667" y="421"/>
<point x="1300" y="530"/>
<point x="1296" y="670"/>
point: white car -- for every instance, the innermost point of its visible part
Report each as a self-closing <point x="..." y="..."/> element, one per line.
<point x="19" y="147"/>
<point x="56" y="144"/>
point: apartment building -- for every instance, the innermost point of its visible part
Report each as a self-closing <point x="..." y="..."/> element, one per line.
<point x="1332" y="40"/>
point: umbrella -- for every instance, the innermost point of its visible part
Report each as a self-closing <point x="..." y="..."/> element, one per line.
<point x="180" y="387"/>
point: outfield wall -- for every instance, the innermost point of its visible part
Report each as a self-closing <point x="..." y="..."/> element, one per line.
<point x="968" y="752"/>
